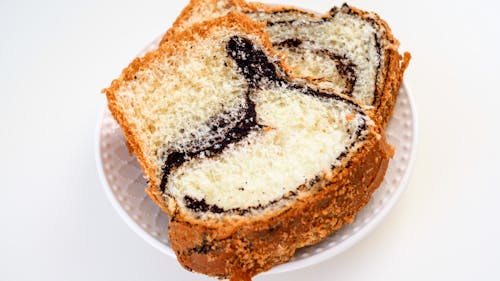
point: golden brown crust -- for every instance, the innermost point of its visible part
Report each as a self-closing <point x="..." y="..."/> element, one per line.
<point x="387" y="97"/>
<point x="258" y="245"/>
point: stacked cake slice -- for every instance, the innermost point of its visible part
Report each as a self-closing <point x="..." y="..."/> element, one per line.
<point x="348" y="51"/>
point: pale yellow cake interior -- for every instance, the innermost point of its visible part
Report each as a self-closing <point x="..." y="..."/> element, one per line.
<point x="304" y="135"/>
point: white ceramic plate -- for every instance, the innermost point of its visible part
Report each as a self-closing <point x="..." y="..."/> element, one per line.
<point x="124" y="184"/>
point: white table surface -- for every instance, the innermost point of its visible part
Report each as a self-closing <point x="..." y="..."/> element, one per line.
<point x="57" y="224"/>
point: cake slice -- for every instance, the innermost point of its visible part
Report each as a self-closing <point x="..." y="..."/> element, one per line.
<point x="249" y="163"/>
<point x="347" y="50"/>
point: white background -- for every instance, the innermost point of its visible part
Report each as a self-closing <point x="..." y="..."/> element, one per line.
<point x="57" y="224"/>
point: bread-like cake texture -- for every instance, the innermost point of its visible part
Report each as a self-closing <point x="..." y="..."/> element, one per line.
<point x="347" y="50"/>
<point x="249" y="163"/>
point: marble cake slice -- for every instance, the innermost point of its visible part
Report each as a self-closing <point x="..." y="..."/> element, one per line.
<point x="347" y="50"/>
<point x="249" y="163"/>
